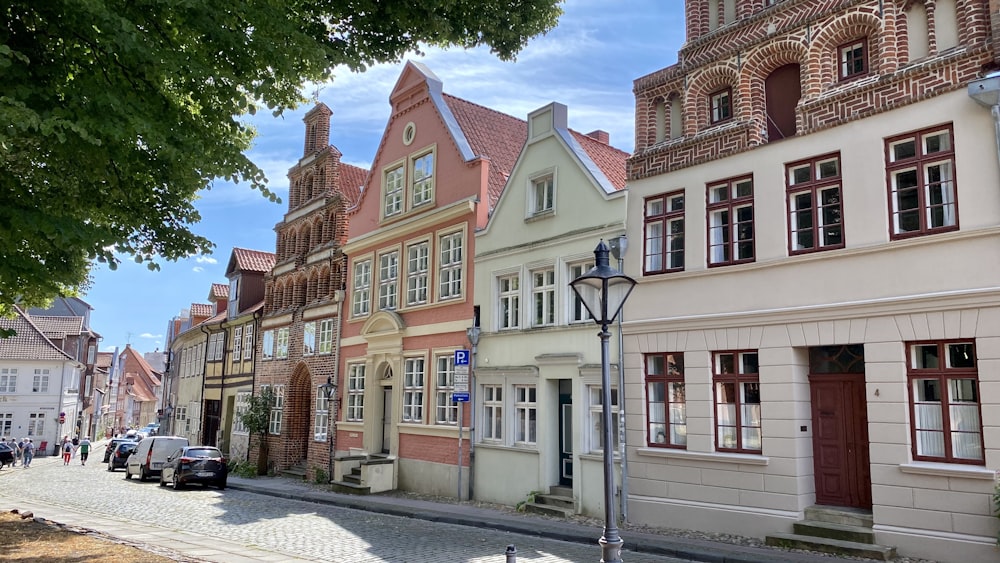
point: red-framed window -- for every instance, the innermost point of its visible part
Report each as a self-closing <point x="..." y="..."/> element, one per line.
<point x="730" y="221"/>
<point x="666" y="408"/>
<point x="664" y="233"/>
<point x="736" y="384"/>
<point x="815" y="209"/>
<point x="853" y="59"/>
<point x="945" y="412"/>
<point x="720" y="105"/>
<point x="923" y="195"/>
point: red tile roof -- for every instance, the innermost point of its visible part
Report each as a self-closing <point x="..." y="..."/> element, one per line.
<point x="202" y="310"/>
<point x="352" y="178"/>
<point x="253" y="260"/>
<point x="610" y="160"/>
<point x="29" y="343"/>
<point x="493" y="135"/>
<point x="219" y="291"/>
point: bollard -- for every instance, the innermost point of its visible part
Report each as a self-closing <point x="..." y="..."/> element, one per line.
<point x="511" y="554"/>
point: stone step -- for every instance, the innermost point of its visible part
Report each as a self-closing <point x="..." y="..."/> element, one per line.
<point x="840" y="515"/>
<point x="295" y="472"/>
<point x="561" y="490"/>
<point x="839" y="547"/>
<point x="555" y="500"/>
<point x="832" y="531"/>
<point x="349" y="488"/>
<point x="548" y="509"/>
<point x="354" y="478"/>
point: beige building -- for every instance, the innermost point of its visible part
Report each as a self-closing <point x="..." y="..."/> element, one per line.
<point x="538" y="364"/>
<point x="817" y="319"/>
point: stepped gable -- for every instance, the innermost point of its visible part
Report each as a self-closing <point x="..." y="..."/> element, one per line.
<point x="493" y="135"/>
<point x="29" y="342"/>
<point x="610" y="160"/>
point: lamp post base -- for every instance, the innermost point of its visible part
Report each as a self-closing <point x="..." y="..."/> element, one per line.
<point x="611" y="551"/>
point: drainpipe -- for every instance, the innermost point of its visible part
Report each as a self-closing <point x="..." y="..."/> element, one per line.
<point x="986" y="92"/>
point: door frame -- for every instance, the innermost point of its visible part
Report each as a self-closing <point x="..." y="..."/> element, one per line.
<point x="852" y="424"/>
<point x="564" y="444"/>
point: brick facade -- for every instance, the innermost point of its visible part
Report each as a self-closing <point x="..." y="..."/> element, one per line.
<point x="742" y="54"/>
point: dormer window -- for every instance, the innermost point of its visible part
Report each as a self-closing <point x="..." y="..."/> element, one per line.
<point x="721" y="105"/>
<point x="393" y="202"/>
<point x="234" y="297"/>
<point x="853" y="59"/>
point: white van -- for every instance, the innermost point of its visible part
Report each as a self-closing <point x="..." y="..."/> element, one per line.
<point x="148" y="458"/>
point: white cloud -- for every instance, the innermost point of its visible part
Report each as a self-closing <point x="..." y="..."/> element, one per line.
<point x="149" y="335"/>
<point x="206" y="260"/>
<point x="197" y="269"/>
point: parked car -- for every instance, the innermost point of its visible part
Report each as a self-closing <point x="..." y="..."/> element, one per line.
<point x="151" y="429"/>
<point x="195" y="464"/>
<point x="149" y="456"/>
<point x="6" y="455"/>
<point x="119" y="457"/>
<point x="114" y="444"/>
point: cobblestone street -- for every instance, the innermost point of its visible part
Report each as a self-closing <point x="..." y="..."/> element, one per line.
<point x="281" y="526"/>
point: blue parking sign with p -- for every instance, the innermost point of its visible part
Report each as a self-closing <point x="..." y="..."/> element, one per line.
<point x="462" y="357"/>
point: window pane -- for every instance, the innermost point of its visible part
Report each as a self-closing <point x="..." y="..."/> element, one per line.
<point x="961" y="356"/>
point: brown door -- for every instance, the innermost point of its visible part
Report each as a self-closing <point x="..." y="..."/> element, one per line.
<point x="782" y="90"/>
<point x="840" y="440"/>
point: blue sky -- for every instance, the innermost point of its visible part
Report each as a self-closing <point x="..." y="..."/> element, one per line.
<point x="588" y="62"/>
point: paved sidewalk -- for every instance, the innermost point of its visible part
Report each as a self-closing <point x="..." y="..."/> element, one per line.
<point x="468" y="515"/>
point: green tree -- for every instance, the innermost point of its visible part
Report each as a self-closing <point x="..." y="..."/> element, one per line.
<point x="114" y="114"/>
<point x="257" y="420"/>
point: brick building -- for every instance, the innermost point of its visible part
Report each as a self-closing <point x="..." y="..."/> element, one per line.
<point x="440" y="168"/>
<point x="301" y="314"/>
<point x="818" y="306"/>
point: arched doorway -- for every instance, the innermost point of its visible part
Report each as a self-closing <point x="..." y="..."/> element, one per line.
<point x="298" y="415"/>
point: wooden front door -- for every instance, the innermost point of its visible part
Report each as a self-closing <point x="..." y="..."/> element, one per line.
<point x="565" y="434"/>
<point x="840" y="439"/>
<point x="386" y="419"/>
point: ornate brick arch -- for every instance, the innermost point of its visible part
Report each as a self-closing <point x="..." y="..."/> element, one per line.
<point x="759" y="65"/>
<point x="822" y="71"/>
<point x="701" y="85"/>
<point x="317" y="232"/>
<point x="297" y="424"/>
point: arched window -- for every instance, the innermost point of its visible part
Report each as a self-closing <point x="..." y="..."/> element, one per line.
<point x="676" y="125"/>
<point x="661" y="119"/>
<point x="917" y="37"/>
<point x="945" y="25"/>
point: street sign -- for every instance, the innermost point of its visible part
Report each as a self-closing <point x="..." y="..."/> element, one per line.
<point x="462" y="357"/>
<point x="460" y="397"/>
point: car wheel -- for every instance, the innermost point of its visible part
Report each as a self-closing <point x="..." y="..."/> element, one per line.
<point x="111" y="467"/>
<point x="176" y="483"/>
<point x="221" y="485"/>
<point x="128" y="474"/>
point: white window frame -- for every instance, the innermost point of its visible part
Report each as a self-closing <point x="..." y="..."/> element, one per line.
<point x="542" y="194"/>
<point x="234" y="297"/>
<point x="446" y="409"/>
<point x="355" y="411"/>
<point x="6" y="423"/>
<point x="525" y="415"/>
<point x="578" y="312"/>
<point x="417" y="272"/>
<point x="321" y="425"/>
<point x="361" y="294"/>
<point x="595" y="415"/>
<point x="277" y="411"/>
<point x="509" y="302"/>
<point x="388" y="280"/>
<point x="242" y="405"/>
<point x="414" y="377"/>
<point x="451" y="250"/>
<point x="325" y="336"/>
<point x="493" y="421"/>
<point x="309" y="338"/>
<point x="8" y="380"/>
<point x="237" y="343"/>
<point x="248" y="342"/>
<point x="394" y="182"/>
<point x="40" y="381"/>
<point x="281" y="343"/>
<point x="422" y="188"/>
<point x="268" y="346"/>
<point x="36" y="424"/>
<point x="543" y="297"/>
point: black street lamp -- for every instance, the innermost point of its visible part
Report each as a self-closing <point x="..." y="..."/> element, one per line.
<point x="327" y="389"/>
<point x="603" y="291"/>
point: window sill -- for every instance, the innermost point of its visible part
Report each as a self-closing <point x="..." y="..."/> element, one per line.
<point x="505" y="447"/>
<point x="948" y="470"/>
<point x="538" y="216"/>
<point x="674" y="453"/>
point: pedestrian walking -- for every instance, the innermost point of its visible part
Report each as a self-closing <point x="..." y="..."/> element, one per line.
<point x="16" y="449"/>
<point x="29" y="453"/>
<point x="76" y="445"/>
<point x="67" y="451"/>
<point x="20" y="450"/>
<point x="84" y="450"/>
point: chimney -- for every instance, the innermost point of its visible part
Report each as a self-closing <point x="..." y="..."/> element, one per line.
<point x="601" y="136"/>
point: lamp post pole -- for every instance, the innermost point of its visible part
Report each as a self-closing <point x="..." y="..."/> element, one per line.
<point x="603" y="290"/>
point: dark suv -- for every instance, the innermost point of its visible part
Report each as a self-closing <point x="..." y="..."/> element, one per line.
<point x="120" y="455"/>
<point x="114" y="444"/>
